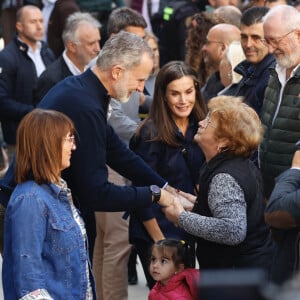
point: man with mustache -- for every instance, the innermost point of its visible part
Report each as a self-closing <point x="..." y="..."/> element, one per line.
<point x="281" y="119"/>
<point x="281" y="108"/>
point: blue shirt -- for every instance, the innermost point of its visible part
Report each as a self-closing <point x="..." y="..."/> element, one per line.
<point x="44" y="246"/>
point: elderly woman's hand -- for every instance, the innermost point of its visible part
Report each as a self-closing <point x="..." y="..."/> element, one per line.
<point x="187" y="200"/>
<point x="191" y="198"/>
<point x="173" y="211"/>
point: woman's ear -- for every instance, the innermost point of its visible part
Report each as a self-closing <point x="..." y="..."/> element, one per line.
<point x="223" y="143"/>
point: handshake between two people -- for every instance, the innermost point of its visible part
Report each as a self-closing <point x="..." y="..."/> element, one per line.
<point x="174" y="202"/>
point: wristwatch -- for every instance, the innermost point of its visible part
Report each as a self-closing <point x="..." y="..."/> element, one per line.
<point x="155" y="190"/>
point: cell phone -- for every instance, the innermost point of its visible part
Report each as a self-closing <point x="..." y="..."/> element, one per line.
<point x="297" y="145"/>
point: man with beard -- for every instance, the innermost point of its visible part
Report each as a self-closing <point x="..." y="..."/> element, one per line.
<point x="281" y="119"/>
<point x="281" y="108"/>
<point x="255" y="68"/>
<point x="122" y="67"/>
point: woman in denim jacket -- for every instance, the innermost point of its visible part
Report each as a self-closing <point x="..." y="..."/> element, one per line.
<point x="45" y="252"/>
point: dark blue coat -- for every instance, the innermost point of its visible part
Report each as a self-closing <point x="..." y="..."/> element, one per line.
<point x="85" y="100"/>
<point x="178" y="165"/>
<point x="254" y="82"/>
<point x="17" y="82"/>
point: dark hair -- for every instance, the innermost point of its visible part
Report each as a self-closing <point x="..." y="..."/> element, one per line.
<point x="253" y="15"/>
<point x="123" y="17"/>
<point x="160" y="114"/>
<point x="180" y="251"/>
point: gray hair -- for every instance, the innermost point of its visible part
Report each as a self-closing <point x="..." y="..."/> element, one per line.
<point x="123" y="48"/>
<point x="74" y="21"/>
<point x="289" y="16"/>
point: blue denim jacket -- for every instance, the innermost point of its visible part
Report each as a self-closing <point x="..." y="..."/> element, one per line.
<point x="44" y="247"/>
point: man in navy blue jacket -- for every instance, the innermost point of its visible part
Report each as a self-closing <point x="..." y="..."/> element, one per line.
<point x="255" y="68"/>
<point x="21" y="63"/>
<point x="122" y="67"/>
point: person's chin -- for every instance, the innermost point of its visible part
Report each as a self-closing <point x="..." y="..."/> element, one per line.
<point x="124" y="98"/>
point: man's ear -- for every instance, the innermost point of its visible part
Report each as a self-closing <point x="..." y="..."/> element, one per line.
<point x="19" y="26"/>
<point x="116" y="72"/>
<point x="224" y="47"/>
<point x="71" y="46"/>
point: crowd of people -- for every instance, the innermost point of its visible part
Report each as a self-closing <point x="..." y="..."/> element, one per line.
<point x="114" y="146"/>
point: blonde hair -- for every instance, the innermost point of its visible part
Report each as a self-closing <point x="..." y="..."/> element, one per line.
<point x="237" y="122"/>
<point x="39" y="145"/>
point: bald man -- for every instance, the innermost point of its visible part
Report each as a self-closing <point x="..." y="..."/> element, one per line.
<point x="217" y="41"/>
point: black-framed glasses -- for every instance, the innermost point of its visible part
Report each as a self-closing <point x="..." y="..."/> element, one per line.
<point x="274" y="42"/>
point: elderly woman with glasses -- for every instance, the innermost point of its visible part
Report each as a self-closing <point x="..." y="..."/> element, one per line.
<point x="228" y="216"/>
<point x="45" y="241"/>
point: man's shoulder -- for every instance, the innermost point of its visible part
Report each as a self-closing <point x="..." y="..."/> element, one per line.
<point x="11" y="50"/>
<point x="73" y="91"/>
<point x="58" y="70"/>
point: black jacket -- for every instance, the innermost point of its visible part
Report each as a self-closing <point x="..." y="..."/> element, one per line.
<point x="254" y="82"/>
<point x="256" y="249"/>
<point x="56" y="72"/>
<point x="17" y="82"/>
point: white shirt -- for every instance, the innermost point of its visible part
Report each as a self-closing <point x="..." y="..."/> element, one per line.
<point x="36" y="58"/>
<point x="73" y="69"/>
<point x="281" y="72"/>
<point x="48" y="6"/>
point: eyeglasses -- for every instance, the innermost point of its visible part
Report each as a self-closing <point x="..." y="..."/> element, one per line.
<point x="206" y="122"/>
<point x="71" y="140"/>
<point x="274" y="42"/>
<point x="207" y="42"/>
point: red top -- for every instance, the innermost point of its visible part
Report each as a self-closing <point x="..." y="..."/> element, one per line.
<point x="183" y="285"/>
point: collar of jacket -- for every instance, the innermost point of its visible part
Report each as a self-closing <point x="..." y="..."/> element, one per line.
<point x="243" y="67"/>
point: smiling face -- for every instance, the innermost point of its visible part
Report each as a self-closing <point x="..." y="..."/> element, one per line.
<point x="129" y="81"/>
<point x="68" y="145"/>
<point x="283" y="43"/>
<point x="162" y="266"/>
<point x="252" y="43"/>
<point x="206" y="138"/>
<point x="181" y="97"/>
